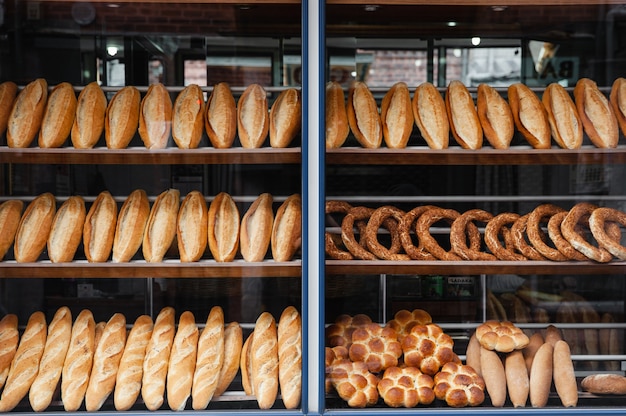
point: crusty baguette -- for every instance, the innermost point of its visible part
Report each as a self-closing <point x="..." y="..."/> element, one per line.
<point x="129" y="374"/>
<point x="99" y="330"/>
<point x="160" y="230"/>
<point x="493" y="373"/>
<point x="596" y="114"/>
<point x="223" y="227"/>
<point x="58" y="117"/>
<point x="89" y="120"/>
<point x="472" y="354"/>
<point x="210" y="359"/>
<point x="191" y="227"/>
<point x="256" y="228"/>
<point x="233" y="343"/>
<point x="9" y="338"/>
<point x="252" y="117"/>
<point x="264" y="361"/>
<point x="25" y="364"/>
<point x="34" y="228"/>
<point x="156" y="360"/>
<point x="8" y="92"/>
<point x="396" y="116"/>
<point x="529" y="113"/>
<point x="617" y="98"/>
<point x="495" y="116"/>
<point x="66" y="233"/>
<point x="10" y="215"/>
<point x="244" y="365"/>
<point x="337" y="127"/>
<point x="563" y="374"/>
<point x="604" y="383"/>
<point x="565" y="125"/>
<point x="363" y="116"/>
<point x="182" y="362"/>
<point x="517" y="380"/>
<point x="99" y="228"/>
<point x="155" y="117"/>
<point x="122" y="117"/>
<point x="289" y="334"/>
<point x="464" y="123"/>
<point x="431" y="118"/>
<point x="220" y="120"/>
<point x="188" y="117"/>
<point x="541" y="376"/>
<point x="286" y="237"/>
<point x="26" y="114"/>
<point x="535" y="342"/>
<point x="78" y="361"/>
<point x="285" y="118"/>
<point x="131" y="223"/>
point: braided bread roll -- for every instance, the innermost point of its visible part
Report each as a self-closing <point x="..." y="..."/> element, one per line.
<point x="9" y="338"/>
<point x="209" y="360"/>
<point x="233" y="343"/>
<point x="78" y="361"/>
<point x="264" y="361"/>
<point x="290" y="356"/>
<point x="182" y="362"/>
<point x="157" y="358"/>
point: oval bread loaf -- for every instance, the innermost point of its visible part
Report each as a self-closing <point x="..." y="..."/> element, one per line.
<point x="396" y="115"/>
<point x="530" y="116"/>
<point x="233" y="344"/>
<point x="66" y="233"/>
<point x="286" y="236"/>
<point x="563" y="374"/>
<point x="8" y="92"/>
<point x="99" y="228"/>
<point x="617" y="98"/>
<point x="188" y="117"/>
<point x="223" y="228"/>
<point x="596" y="114"/>
<point x="252" y="117"/>
<point x="431" y="118"/>
<point x="182" y="362"/>
<point x="289" y="334"/>
<point x="220" y="120"/>
<point x="210" y="359"/>
<point x="517" y="380"/>
<point x="58" y="117"/>
<point x="256" y="228"/>
<point x="565" y="125"/>
<point x="464" y="123"/>
<point x="157" y="357"/>
<point x="160" y="230"/>
<point x="494" y="375"/>
<point x="191" y="229"/>
<point x="131" y="223"/>
<point x="495" y="116"/>
<point x="27" y="113"/>
<point x="363" y="116"/>
<point x="34" y="228"/>
<point x="10" y="215"/>
<point x="155" y="117"/>
<point x="90" y="114"/>
<point x="122" y="118"/>
<point x="337" y="127"/>
<point x="285" y="118"/>
<point x="9" y="339"/>
<point x="541" y="376"/>
<point x="264" y="361"/>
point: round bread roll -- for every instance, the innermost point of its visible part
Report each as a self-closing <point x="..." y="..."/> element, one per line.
<point x="337" y="126"/>
<point x="406" y="387"/>
<point x="285" y="118"/>
<point x="376" y="346"/>
<point x="155" y="117"/>
<point x="608" y="383"/>
<point x="396" y="115"/>
<point x="252" y="117"/>
<point x="354" y="383"/>
<point x="9" y="338"/>
<point x="34" y="228"/>
<point x="363" y="116"/>
<point x="8" y="92"/>
<point x="459" y="385"/>
<point x="404" y="320"/>
<point x="10" y="215"/>
<point x="340" y="332"/>
<point x="220" y="120"/>
<point x="122" y="117"/>
<point x="90" y="114"/>
<point x="501" y="336"/>
<point x="27" y="113"/>
<point x="58" y="117"/>
<point x="188" y="117"/>
<point x="66" y="233"/>
<point x="428" y="348"/>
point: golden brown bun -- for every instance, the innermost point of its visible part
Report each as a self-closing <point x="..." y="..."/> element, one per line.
<point x="285" y="118"/>
<point x="67" y="230"/>
<point x="192" y="226"/>
<point x="596" y="114"/>
<point x="122" y="118"/>
<point x="264" y="361"/>
<point x="78" y="361"/>
<point x="256" y="228"/>
<point x="617" y="100"/>
<point x="58" y="118"/>
<point x="27" y="113"/>
<point x="529" y="113"/>
<point x="25" y="364"/>
<point x="131" y="223"/>
<point x="34" y="228"/>
<point x="494" y="375"/>
<point x="220" y="120"/>
<point x="10" y="214"/>
<point x="155" y="117"/>
<point x="182" y="362"/>
<point x="566" y="127"/>
<point x="90" y="113"/>
<point x="252" y="117"/>
<point x="495" y="117"/>
<point x="564" y="376"/>
<point x="363" y="116"/>
<point x="99" y="229"/>
<point x="223" y="227"/>
<point x="9" y="338"/>
<point x="130" y="372"/>
<point x="396" y="115"/>
<point x="160" y="230"/>
<point x="462" y="116"/>
<point x="517" y="380"/>
<point x="8" y="92"/>
<point x="431" y="118"/>
<point x="541" y="376"/>
<point x="157" y="358"/>
<point x="286" y="237"/>
<point x="337" y="127"/>
<point x="106" y="361"/>
<point x="233" y="343"/>
<point x="188" y="117"/>
<point x="289" y="333"/>
<point x="210" y="359"/>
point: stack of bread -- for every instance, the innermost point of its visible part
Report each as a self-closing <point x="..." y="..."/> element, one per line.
<point x="82" y="363"/>
<point x="56" y="114"/>
<point x="188" y="227"/>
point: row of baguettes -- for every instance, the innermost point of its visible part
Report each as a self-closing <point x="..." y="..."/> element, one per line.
<point x="556" y="116"/>
<point x="159" y="360"/>
<point x="188" y="228"/>
<point x="55" y="115"/>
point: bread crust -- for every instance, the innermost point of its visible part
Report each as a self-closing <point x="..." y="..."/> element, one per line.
<point x="541" y="376"/>
<point x="10" y="215"/>
<point x="252" y="117"/>
<point x="223" y="228"/>
<point x="233" y="343"/>
<point x="188" y="117"/>
<point x="264" y="361"/>
<point x="493" y="373"/>
<point x="256" y="229"/>
<point x="8" y="92"/>
<point x="517" y="380"/>
<point x="244" y="365"/>
<point x="596" y="114"/>
<point x="160" y="230"/>
<point x="495" y="116"/>
<point x="78" y="361"/>
<point x="90" y="113"/>
<point x="220" y="120"/>
<point x="192" y="223"/>
<point x="122" y="118"/>
<point x="9" y="339"/>
<point x="131" y="223"/>
<point x="156" y="360"/>
<point x="563" y="374"/>
<point x="58" y="117"/>
<point x="210" y="358"/>
<point x="608" y="383"/>
<point x="462" y="115"/>
<point x="67" y="230"/>
<point x="617" y="98"/>
<point x="289" y="335"/>
<point x="530" y="116"/>
<point x="34" y="228"/>
<point x="182" y="362"/>
<point x="26" y="114"/>
<point x="472" y="354"/>
<point x="99" y="228"/>
<point x="286" y="237"/>
<point x="431" y="118"/>
<point x="337" y="127"/>
<point x="285" y="118"/>
<point x="363" y="116"/>
<point x="396" y="115"/>
<point x="155" y="117"/>
<point x="565" y="125"/>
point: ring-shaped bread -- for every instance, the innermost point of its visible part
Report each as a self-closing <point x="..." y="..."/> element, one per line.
<point x="579" y="214"/>
<point x="385" y="216"/>
<point x="427" y="241"/>
<point x="458" y="240"/>
<point x="330" y="246"/>
<point x="518" y="233"/>
<point x="598" y="222"/>
<point x="347" y="232"/>
<point x="560" y="242"/>
<point x="404" y="229"/>
<point x="496" y="227"/>
<point x="542" y="213"/>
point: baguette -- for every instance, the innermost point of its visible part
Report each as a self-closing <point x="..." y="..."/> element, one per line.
<point x="535" y="342"/>
<point x="462" y="115"/>
<point x="264" y="361"/>
<point x="431" y="118"/>
<point x="67" y="230"/>
<point x="617" y="98"/>
<point x="89" y="120"/>
<point x="78" y="361"/>
<point x="156" y="360"/>
<point x="565" y="125"/>
<point x="233" y="343"/>
<point x="289" y="335"/>
<point x="285" y="118"/>
<point x="495" y="117"/>
<point x="530" y="116"/>
<point x="131" y="223"/>
<point x="563" y="373"/>
<point x="472" y="354"/>
<point x="337" y="127"/>
<point x="223" y="225"/>
<point x="604" y="384"/>
<point x="494" y="375"/>
<point x="99" y="330"/>
<point x="220" y="120"/>
<point x="25" y="364"/>
<point x="363" y="116"/>
<point x="99" y="229"/>
<point x="244" y="365"/>
<point x="9" y="338"/>
<point x="541" y="376"/>
<point x="192" y="223"/>
<point x="188" y="117"/>
<point x="211" y="352"/>
<point x="122" y="118"/>
<point x="34" y="228"/>
<point x="51" y="366"/>
<point x="396" y="115"/>
<point x="8" y="92"/>
<point x="160" y="230"/>
<point x="596" y="114"/>
<point x="10" y="215"/>
<point x="256" y="229"/>
<point x="517" y="381"/>
<point x="182" y="362"/>
<point x="252" y="117"/>
<point x="128" y="379"/>
<point x="286" y="236"/>
<point x="155" y="117"/>
<point x="58" y="117"/>
<point x="27" y="113"/>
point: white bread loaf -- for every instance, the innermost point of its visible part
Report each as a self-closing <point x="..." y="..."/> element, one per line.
<point x="8" y="92"/>
<point x="131" y="223"/>
<point x="90" y="114"/>
<point x="27" y="113"/>
<point x="99" y="228"/>
<point x="209" y="360"/>
<point x="494" y="375"/>
<point x="252" y="117"/>
<point x="286" y="237"/>
<point x="233" y="344"/>
<point x="264" y="361"/>
<point x="431" y="117"/>
<point x="472" y="354"/>
<point x="122" y="117"/>
<point x="289" y="334"/>
<point x="337" y="127"/>
<point x="188" y="117"/>
<point x="78" y="361"/>
<point x="244" y="365"/>
<point x="34" y="228"/>
<point x="535" y="341"/>
<point x="155" y="117"/>
<point x="495" y="116"/>
<point x="530" y="116"/>
<point x="285" y="118"/>
<point x="396" y="115"/>
<point x="541" y="376"/>
<point x="10" y="215"/>
<point x="256" y="229"/>
<point x="182" y="362"/>
<point x="191" y="227"/>
<point x="160" y="230"/>
<point x="563" y="374"/>
<point x="221" y="116"/>
<point x="565" y="125"/>
<point x="157" y="357"/>
<point x="517" y="380"/>
<point x="463" y="117"/>
<point x="67" y="230"/>
<point x="596" y="114"/>
<point x="9" y="338"/>
<point x="223" y="228"/>
<point x="58" y="118"/>
<point x="363" y="116"/>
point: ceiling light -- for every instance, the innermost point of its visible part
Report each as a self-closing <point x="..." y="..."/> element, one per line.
<point x="112" y="50"/>
<point x="475" y="41"/>
<point x="451" y="24"/>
